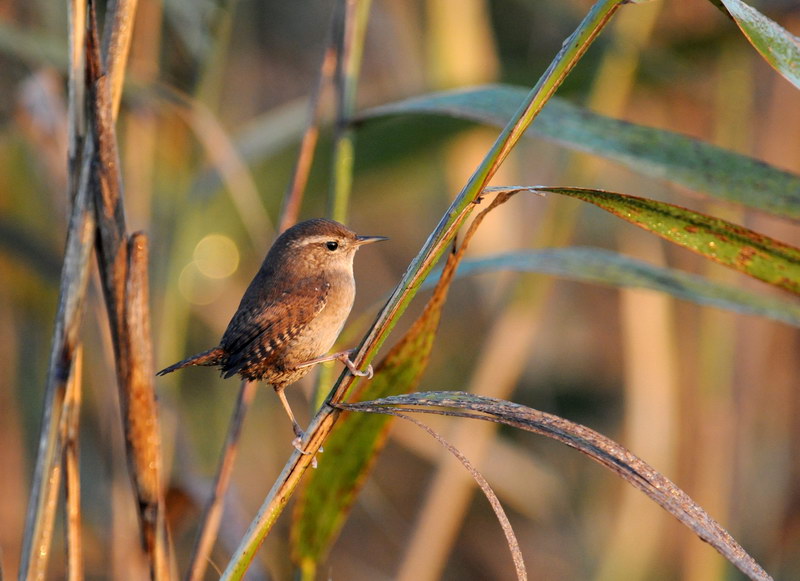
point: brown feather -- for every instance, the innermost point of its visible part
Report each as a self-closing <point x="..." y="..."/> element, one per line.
<point x="211" y="357"/>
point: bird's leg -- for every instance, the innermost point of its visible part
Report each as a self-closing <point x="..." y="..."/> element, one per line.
<point x="298" y="431"/>
<point x="344" y="357"/>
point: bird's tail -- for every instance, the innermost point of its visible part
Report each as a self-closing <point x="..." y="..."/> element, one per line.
<point x="210" y="357"/>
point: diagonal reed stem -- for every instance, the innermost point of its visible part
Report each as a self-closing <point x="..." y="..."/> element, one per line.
<point x="461" y="208"/>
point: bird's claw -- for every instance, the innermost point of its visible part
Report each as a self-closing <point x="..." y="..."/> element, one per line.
<point x="345" y="358"/>
<point x="366" y="373"/>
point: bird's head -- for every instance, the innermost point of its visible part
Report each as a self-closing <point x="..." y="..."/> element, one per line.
<point x="318" y="245"/>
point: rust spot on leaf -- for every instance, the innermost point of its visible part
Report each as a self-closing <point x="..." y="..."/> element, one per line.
<point x="722" y="238"/>
<point x="746" y="254"/>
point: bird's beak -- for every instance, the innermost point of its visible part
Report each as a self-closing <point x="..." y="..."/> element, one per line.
<point x="361" y="240"/>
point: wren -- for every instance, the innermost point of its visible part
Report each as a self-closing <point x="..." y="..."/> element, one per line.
<point x="293" y="310"/>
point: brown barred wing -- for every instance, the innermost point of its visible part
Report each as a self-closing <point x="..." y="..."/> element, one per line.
<point x="256" y="339"/>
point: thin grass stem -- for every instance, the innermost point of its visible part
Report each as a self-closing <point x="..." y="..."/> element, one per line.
<point x="212" y="514"/>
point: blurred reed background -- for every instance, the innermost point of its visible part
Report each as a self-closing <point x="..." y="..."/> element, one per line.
<point x="211" y="118"/>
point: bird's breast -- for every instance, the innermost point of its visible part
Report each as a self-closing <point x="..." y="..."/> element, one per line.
<point x="323" y="330"/>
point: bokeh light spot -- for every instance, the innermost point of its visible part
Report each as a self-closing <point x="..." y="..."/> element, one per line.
<point x="216" y="256"/>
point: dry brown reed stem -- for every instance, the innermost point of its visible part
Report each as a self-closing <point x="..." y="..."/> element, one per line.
<point x="47" y="473"/>
<point x="72" y="291"/>
<point x="140" y="412"/>
<point x="111" y="244"/>
<point x="212" y="514"/>
<point x="116" y="46"/>
<point x="123" y="269"/>
<point x="70" y="420"/>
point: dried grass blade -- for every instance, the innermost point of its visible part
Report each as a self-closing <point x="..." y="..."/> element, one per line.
<point x="596" y="446"/>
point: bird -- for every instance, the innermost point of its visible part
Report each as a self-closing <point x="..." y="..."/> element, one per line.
<point x="292" y="312"/>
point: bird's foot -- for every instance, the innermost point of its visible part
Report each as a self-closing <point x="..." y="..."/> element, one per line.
<point x="297" y="444"/>
<point x="344" y="357"/>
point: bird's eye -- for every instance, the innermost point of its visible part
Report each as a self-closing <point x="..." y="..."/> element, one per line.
<point x="332" y="245"/>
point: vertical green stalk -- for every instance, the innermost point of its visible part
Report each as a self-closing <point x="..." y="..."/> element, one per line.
<point x="354" y="27"/>
<point x="348" y="32"/>
<point x="292" y="199"/>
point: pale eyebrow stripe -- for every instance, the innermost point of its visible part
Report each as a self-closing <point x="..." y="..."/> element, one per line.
<point x="318" y="239"/>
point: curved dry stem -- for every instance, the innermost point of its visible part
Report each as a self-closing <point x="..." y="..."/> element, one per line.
<point x="505" y="524"/>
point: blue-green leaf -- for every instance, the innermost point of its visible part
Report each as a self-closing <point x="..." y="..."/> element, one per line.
<point x="779" y="47"/>
<point x="654" y="152"/>
<point x="595" y="265"/>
